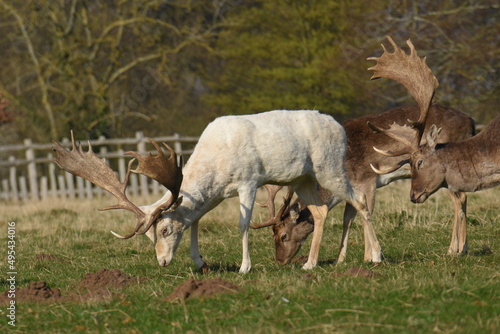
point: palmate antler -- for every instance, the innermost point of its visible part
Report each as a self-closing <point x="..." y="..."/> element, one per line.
<point x="275" y="218"/>
<point x="413" y="73"/>
<point x="88" y="166"/>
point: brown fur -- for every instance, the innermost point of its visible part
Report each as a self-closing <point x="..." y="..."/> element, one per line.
<point x="469" y="165"/>
<point x="456" y="126"/>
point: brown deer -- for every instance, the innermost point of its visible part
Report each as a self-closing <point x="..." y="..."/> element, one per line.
<point x="455" y="125"/>
<point x="468" y="165"/>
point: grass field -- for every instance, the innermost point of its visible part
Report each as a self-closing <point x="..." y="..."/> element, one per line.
<point x="419" y="288"/>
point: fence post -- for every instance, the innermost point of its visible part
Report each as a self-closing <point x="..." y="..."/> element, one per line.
<point x="102" y="151"/>
<point x="141" y="149"/>
<point x="52" y="177"/>
<point x="24" y="188"/>
<point x="30" y="157"/>
<point x="13" y="180"/>
<point x="122" y="169"/>
<point x="44" y="187"/>
<point x="88" y="189"/>
<point x="5" y="190"/>
<point x="177" y="143"/>
<point x="62" y="186"/>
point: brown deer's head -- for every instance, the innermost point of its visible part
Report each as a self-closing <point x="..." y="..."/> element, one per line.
<point x="291" y="225"/>
<point x="412" y="72"/>
<point x="427" y="173"/>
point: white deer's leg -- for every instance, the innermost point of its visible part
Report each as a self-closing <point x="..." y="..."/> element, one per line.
<point x="319" y="215"/>
<point x="458" y="243"/>
<point x="308" y="193"/>
<point x="194" y="250"/>
<point x="247" y="199"/>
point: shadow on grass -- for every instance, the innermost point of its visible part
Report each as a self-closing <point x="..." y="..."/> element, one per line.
<point x="485" y="250"/>
<point x="220" y="268"/>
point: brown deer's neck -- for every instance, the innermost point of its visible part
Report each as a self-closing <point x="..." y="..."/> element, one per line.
<point x="473" y="164"/>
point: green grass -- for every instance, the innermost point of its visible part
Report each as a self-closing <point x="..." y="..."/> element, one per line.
<point x="420" y="289"/>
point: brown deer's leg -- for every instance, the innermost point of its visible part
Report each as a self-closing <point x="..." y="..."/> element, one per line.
<point x="349" y="215"/>
<point x="458" y="245"/>
<point x="373" y="251"/>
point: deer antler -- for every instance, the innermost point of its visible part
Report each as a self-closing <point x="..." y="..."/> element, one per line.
<point x="403" y="134"/>
<point x="413" y="73"/>
<point x="272" y="190"/>
<point x="88" y="166"/>
<point x="275" y="218"/>
<point x="166" y="171"/>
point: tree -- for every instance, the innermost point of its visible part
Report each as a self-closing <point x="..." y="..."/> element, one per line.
<point x="459" y="39"/>
<point x="93" y="66"/>
<point x="113" y="67"/>
<point x="312" y="54"/>
<point x="280" y="54"/>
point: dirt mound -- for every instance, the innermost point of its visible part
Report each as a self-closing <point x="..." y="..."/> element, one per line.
<point x="199" y="288"/>
<point x="34" y="292"/>
<point x="94" y="287"/>
<point x="107" y="278"/>
<point x="357" y="272"/>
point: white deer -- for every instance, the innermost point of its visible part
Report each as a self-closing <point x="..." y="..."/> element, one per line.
<point x="235" y="155"/>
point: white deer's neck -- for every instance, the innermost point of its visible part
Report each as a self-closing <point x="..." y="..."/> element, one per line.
<point x="198" y="197"/>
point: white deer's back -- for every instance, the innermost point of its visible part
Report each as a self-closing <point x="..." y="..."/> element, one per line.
<point x="272" y="147"/>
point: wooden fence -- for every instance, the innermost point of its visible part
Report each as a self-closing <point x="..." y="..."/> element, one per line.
<point x="29" y="171"/>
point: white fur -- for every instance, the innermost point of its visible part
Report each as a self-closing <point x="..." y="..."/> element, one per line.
<point x="237" y="154"/>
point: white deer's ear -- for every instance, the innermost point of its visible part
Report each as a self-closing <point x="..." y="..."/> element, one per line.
<point x="432" y="136"/>
<point x="176" y="204"/>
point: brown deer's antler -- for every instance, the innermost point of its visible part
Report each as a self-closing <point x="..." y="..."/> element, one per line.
<point x="413" y="73"/>
<point x="274" y="218"/>
<point x="88" y="166"/>
<point x="272" y="190"/>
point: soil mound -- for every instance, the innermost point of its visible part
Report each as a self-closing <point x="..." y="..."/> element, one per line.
<point x="34" y="292"/>
<point x="94" y="287"/>
<point x="107" y="278"/>
<point x="199" y="288"/>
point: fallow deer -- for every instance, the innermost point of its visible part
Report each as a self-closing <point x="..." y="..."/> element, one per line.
<point x="466" y="166"/>
<point x="234" y="156"/>
<point x="455" y="125"/>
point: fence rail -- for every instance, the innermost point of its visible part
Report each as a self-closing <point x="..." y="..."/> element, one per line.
<point x="29" y="171"/>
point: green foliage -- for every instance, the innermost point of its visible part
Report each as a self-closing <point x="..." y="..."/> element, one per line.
<point x="112" y="68"/>
<point x="281" y="55"/>
<point x="420" y="288"/>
